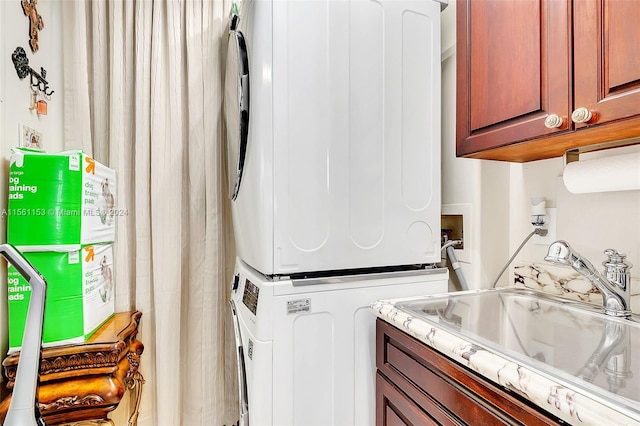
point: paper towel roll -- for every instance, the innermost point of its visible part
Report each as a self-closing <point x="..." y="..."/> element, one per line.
<point x="615" y="173"/>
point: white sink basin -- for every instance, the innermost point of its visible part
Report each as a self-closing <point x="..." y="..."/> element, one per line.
<point x="571" y="341"/>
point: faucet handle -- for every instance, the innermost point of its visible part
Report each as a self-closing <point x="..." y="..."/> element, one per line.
<point x="616" y="268"/>
<point x="615" y="259"/>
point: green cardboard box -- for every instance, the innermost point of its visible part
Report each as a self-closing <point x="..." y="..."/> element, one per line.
<point x="79" y="294"/>
<point x="59" y="200"/>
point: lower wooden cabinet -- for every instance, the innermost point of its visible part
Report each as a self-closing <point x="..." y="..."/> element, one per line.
<point x="416" y="385"/>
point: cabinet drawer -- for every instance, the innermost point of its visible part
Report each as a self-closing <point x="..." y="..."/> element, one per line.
<point x="446" y="390"/>
<point x="395" y="408"/>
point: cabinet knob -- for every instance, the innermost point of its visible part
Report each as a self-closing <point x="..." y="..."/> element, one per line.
<point x="553" y="121"/>
<point x="581" y="115"/>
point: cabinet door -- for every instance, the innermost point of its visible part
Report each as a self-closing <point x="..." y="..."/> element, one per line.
<point x="513" y="70"/>
<point x="607" y="58"/>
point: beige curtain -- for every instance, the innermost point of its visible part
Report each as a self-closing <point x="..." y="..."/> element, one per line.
<point x="143" y="94"/>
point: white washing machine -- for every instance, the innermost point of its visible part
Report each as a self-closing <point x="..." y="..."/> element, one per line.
<point x="333" y="116"/>
<point x="306" y="348"/>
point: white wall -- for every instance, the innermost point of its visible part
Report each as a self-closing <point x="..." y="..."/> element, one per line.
<point x="498" y="195"/>
<point x="16" y="92"/>
<point x="471" y="187"/>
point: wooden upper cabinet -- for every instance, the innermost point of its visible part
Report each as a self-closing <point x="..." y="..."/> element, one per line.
<point x="525" y="66"/>
<point x="513" y="70"/>
<point x="607" y="59"/>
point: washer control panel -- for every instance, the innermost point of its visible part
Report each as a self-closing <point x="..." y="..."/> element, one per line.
<point x="250" y="296"/>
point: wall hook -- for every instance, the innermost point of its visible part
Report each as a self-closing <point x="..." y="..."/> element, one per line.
<point x="21" y="62"/>
<point x="38" y="80"/>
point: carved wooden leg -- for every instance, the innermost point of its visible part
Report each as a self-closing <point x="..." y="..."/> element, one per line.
<point x="135" y="385"/>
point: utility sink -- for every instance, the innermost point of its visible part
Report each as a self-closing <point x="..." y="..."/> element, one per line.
<point x="570" y="341"/>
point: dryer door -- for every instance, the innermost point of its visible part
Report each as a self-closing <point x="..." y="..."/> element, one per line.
<point x="236" y="106"/>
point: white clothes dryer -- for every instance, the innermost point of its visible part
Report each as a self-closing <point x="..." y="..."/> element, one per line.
<point x="333" y="116"/>
<point x="306" y="348"/>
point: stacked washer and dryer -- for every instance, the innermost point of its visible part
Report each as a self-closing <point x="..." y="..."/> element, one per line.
<point x="333" y="116"/>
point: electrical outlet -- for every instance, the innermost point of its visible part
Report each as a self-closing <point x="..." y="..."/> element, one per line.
<point x="550" y="226"/>
<point x="29" y="137"/>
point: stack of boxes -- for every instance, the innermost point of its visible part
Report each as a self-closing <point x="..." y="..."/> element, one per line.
<point x="61" y="216"/>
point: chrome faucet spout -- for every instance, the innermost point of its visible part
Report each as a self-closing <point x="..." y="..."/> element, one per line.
<point x="614" y="286"/>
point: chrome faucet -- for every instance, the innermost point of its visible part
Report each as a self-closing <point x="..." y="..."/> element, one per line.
<point x="614" y="285"/>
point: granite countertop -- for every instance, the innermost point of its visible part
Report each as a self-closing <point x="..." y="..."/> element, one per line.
<point x="521" y="357"/>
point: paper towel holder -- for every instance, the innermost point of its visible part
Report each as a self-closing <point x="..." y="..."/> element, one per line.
<point x="606" y="173"/>
<point x="573" y="155"/>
